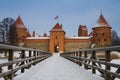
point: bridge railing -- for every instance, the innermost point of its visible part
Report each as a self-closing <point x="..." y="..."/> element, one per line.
<point x="21" y="63"/>
<point x="89" y="60"/>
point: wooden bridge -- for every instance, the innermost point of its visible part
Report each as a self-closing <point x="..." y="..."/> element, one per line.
<point x="56" y="67"/>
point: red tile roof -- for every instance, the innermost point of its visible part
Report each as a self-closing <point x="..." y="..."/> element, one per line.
<point x="19" y="23"/>
<point x="57" y="27"/>
<point x="102" y="22"/>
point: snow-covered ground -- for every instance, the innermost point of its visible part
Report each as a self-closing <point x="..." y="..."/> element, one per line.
<point x="57" y="68"/>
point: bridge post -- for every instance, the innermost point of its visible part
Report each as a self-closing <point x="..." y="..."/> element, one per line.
<point x="10" y="58"/>
<point x="107" y="67"/>
<point x="80" y="54"/>
<point x="93" y="63"/>
<point x="34" y="54"/>
<point x="22" y="63"/>
<point x="85" y="55"/>
<point x="30" y="56"/>
<point x="77" y="54"/>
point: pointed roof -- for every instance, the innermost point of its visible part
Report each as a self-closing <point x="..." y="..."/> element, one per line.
<point x="57" y="27"/>
<point x="102" y="22"/>
<point x="19" y="23"/>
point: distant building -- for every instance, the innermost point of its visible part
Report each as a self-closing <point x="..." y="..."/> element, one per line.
<point x="82" y="31"/>
<point x="57" y="41"/>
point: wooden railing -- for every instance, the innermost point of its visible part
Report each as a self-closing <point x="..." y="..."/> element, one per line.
<point x="21" y="63"/>
<point x="89" y="60"/>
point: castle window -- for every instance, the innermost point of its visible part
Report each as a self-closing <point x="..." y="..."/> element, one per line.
<point x="105" y="40"/>
<point x="103" y="34"/>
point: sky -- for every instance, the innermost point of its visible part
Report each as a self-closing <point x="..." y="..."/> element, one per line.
<point x="38" y="15"/>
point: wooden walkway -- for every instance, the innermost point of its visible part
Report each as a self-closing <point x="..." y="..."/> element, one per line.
<point x="57" y="68"/>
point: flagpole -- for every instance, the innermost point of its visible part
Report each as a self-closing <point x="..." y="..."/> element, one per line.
<point x="58" y="20"/>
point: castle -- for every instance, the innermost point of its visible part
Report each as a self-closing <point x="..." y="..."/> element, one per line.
<point x="57" y="41"/>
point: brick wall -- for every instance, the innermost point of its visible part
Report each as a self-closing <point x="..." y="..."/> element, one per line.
<point x="76" y="44"/>
<point x="42" y="44"/>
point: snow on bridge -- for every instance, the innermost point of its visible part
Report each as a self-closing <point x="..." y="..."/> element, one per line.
<point x="57" y="68"/>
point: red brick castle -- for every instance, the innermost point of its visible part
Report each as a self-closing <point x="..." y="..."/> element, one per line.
<point x="57" y="41"/>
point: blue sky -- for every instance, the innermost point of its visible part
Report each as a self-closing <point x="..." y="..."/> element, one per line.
<point x="38" y="15"/>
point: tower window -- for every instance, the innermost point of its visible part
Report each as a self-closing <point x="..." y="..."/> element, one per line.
<point x="105" y="40"/>
<point x="103" y="34"/>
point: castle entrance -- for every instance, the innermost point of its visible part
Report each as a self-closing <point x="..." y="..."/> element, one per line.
<point x="56" y="49"/>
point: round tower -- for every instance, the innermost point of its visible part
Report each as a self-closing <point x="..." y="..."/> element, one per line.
<point x="102" y="33"/>
<point x="18" y="32"/>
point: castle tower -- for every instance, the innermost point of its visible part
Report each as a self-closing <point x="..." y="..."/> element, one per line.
<point x="102" y="33"/>
<point x="57" y="37"/>
<point x="18" y="31"/>
<point x="82" y="31"/>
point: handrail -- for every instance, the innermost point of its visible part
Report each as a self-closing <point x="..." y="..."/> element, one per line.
<point x="94" y="63"/>
<point x="35" y="56"/>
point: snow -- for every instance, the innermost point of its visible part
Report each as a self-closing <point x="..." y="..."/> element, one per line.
<point x="57" y="68"/>
<point x="37" y="38"/>
<point x="116" y="52"/>
<point x="77" y="37"/>
<point x="101" y="25"/>
<point x="84" y="37"/>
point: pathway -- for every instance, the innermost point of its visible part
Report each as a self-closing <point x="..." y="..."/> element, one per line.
<point x="57" y="68"/>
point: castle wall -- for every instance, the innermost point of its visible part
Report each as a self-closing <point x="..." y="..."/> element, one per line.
<point x="41" y="44"/>
<point x="76" y="44"/>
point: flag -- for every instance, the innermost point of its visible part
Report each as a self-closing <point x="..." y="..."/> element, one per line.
<point x="56" y="17"/>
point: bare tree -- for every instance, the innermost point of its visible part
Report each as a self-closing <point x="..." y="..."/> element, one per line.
<point x="115" y="38"/>
<point x="4" y="28"/>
